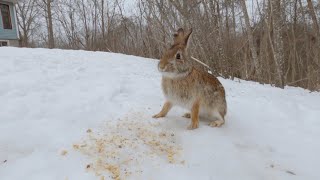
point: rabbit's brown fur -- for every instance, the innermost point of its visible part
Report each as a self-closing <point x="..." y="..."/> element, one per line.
<point x="188" y="87"/>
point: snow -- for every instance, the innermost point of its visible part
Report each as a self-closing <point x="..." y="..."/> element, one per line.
<point x="87" y="115"/>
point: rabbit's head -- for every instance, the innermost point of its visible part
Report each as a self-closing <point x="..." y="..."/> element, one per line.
<point x="175" y="61"/>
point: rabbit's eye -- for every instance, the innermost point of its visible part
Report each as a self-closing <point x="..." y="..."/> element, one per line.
<point x="178" y="56"/>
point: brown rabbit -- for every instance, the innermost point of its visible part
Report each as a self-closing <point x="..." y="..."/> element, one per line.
<point x="188" y="87"/>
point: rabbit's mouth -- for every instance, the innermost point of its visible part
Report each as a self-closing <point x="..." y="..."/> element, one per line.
<point x="174" y="75"/>
<point x="172" y="72"/>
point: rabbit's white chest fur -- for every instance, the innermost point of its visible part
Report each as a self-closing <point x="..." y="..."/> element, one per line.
<point x="180" y="94"/>
<point x="176" y="99"/>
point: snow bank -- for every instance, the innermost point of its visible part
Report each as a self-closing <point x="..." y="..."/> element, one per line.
<point x="87" y="115"/>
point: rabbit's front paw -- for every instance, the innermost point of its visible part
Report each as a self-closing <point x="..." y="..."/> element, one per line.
<point x="158" y="116"/>
<point x="193" y="126"/>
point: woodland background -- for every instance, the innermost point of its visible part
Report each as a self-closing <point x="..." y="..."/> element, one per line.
<point x="270" y="41"/>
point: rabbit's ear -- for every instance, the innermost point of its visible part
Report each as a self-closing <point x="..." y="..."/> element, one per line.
<point x="178" y="36"/>
<point x="187" y="37"/>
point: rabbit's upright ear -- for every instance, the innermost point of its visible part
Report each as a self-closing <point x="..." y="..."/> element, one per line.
<point x="181" y="38"/>
<point x="178" y="37"/>
<point x="187" y="37"/>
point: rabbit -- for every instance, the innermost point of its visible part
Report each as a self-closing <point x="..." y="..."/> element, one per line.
<point x="188" y="87"/>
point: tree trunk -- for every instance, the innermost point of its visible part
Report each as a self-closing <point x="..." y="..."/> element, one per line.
<point x="233" y="18"/>
<point x="252" y="45"/>
<point x="277" y="40"/>
<point x="50" y="26"/>
<point x="317" y="32"/>
<point x="314" y="17"/>
<point x="315" y="25"/>
<point x="103" y="24"/>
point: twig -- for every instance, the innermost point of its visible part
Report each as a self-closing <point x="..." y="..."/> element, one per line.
<point x="205" y="65"/>
<point x="200" y="62"/>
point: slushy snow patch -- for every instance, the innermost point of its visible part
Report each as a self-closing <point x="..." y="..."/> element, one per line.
<point x="87" y="115"/>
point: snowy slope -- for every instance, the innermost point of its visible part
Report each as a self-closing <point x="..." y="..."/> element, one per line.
<point x="74" y="115"/>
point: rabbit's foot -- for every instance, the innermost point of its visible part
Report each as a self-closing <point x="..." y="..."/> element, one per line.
<point x="187" y="115"/>
<point x="193" y="126"/>
<point x="159" y="115"/>
<point x="216" y="123"/>
<point x="164" y="111"/>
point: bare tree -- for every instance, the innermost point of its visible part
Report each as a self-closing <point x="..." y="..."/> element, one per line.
<point x="27" y="14"/>
<point x="277" y="40"/>
<point x="252" y="45"/>
<point x="49" y="21"/>
<point x="317" y="33"/>
<point x="45" y="6"/>
<point x="278" y="45"/>
<point x="313" y="16"/>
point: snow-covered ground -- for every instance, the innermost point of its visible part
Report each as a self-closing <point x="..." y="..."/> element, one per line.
<point x="73" y="115"/>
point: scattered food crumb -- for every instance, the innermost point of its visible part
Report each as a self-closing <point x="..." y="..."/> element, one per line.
<point x="89" y="131"/>
<point x="114" y="170"/>
<point x="290" y="172"/>
<point x="272" y="166"/>
<point x="64" y="152"/>
<point x="109" y="149"/>
<point x="4" y="161"/>
<point x="75" y="146"/>
<point x="83" y="145"/>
